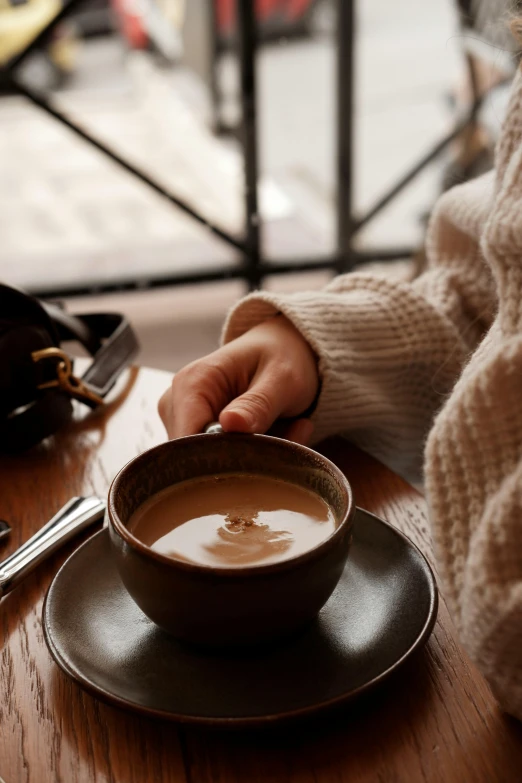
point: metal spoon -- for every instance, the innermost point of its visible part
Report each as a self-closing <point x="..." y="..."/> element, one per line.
<point x="214" y="428"/>
<point x="76" y="515"/>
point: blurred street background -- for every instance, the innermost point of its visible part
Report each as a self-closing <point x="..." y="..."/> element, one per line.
<point x="67" y="214"/>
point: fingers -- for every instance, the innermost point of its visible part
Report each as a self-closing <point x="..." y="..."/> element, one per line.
<point x="267" y="373"/>
<point x="300" y="431"/>
<point x="275" y="391"/>
<point x="197" y="395"/>
<point x="297" y="430"/>
<point x="191" y="417"/>
<point x="255" y="410"/>
<point x="202" y="393"/>
<point x="261" y="407"/>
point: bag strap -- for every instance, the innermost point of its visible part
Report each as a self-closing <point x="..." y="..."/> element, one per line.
<point x="108" y="337"/>
<point x="72" y="327"/>
<point x="119" y="347"/>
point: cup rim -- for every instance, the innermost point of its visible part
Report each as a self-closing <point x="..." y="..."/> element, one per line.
<point x="233" y="571"/>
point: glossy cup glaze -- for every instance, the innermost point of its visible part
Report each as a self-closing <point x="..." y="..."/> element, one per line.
<point x="222" y="606"/>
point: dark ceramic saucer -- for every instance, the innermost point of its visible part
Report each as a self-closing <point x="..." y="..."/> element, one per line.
<point x="383" y="609"/>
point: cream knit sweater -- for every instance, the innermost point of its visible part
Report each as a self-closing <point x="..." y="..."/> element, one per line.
<point x="435" y="367"/>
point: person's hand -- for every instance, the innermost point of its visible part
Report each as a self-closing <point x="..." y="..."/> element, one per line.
<point x="268" y="373"/>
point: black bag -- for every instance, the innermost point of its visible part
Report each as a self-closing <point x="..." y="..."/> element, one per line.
<point x="37" y="382"/>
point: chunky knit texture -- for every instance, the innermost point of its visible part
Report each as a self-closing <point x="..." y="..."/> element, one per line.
<point x="435" y="367"/>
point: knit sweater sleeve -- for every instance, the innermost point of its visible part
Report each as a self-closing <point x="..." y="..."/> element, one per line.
<point x="474" y="452"/>
<point x="474" y="491"/>
<point x="389" y="352"/>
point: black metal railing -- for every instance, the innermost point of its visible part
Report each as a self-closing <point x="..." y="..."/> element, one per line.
<point x="253" y="267"/>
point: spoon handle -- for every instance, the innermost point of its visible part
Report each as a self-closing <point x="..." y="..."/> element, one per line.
<point x="76" y="515"/>
<point x="214" y="428"/>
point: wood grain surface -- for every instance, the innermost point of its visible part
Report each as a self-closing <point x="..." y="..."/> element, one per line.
<point x="435" y="720"/>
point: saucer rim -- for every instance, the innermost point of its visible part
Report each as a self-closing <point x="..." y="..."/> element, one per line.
<point x="257" y="720"/>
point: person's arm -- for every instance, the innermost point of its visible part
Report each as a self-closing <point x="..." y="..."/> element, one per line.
<point x="473" y="457"/>
<point x="475" y="498"/>
<point x="389" y="352"/>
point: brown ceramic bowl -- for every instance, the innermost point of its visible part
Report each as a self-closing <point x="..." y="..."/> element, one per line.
<point x="221" y="606"/>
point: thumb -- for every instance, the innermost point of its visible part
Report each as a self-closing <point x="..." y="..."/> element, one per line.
<point x="254" y="411"/>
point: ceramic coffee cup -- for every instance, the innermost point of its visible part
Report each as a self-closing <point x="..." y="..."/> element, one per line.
<point x="223" y="606"/>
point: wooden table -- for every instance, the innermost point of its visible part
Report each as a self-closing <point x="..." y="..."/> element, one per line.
<point x="435" y="720"/>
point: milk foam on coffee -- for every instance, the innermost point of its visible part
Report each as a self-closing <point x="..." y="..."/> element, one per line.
<point x="233" y="520"/>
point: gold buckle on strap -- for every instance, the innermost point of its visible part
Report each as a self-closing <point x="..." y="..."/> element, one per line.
<point x="65" y="379"/>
